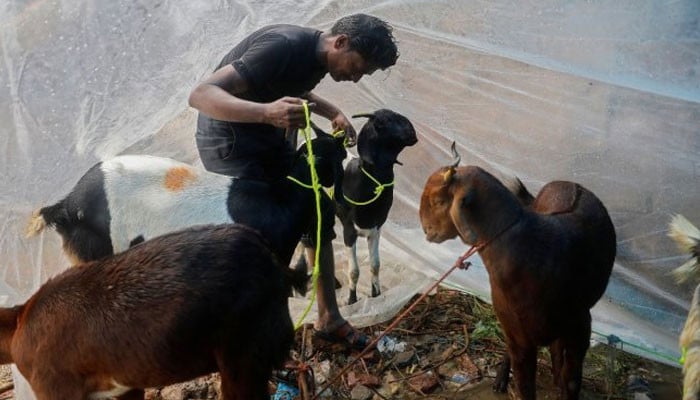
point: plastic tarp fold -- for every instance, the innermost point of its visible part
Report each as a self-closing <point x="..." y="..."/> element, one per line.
<point x="604" y="93"/>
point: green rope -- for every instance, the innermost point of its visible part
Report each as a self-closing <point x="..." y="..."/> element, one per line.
<point x="300" y="183"/>
<point x="684" y="354"/>
<point x="638" y="347"/>
<point x="315" y="186"/>
<point x="377" y="190"/>
<point x="341" y="133"/>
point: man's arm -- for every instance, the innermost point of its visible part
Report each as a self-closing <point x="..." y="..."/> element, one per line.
<point x="215" y="97"/>
<point x="329" y="111"/>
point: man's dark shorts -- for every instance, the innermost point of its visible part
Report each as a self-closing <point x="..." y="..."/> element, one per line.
<point x="261" y="159"/>
<point x="251" y="151"/>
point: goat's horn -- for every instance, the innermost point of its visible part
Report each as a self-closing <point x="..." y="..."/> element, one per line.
<point x="447" y="175"/>
<point x="365" y="115"/>
<point x="456" y="155"/>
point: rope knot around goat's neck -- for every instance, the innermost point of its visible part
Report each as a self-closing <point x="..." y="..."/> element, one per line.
<point x="378" y="190"/>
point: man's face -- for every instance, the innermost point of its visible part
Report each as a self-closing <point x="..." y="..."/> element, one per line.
<point x="345" y="64"/>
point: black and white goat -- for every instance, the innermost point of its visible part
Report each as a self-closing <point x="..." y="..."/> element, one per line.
<point x="131" y="198"/>
<point x="368" y="187"/>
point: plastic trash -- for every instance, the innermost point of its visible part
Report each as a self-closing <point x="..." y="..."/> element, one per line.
<point x="387" y="344"/>
<point x="285" y="392"/>
<point x="459" y="379"/>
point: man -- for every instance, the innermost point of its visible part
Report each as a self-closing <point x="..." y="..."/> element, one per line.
<point x="256" y="94"/>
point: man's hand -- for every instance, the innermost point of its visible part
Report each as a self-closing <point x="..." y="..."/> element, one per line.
<point x="287" y="112"/>
<point x="341" y="122"/>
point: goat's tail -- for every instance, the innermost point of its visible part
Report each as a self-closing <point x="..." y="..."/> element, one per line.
<point x="40" y="219"/>
<point x="47" y="216"/>
<point x="687" y="237"/>
<point x="36" y="224"/>
<point x="516" y="186"/>
<point x="8" y="325"/>
<point x="690" y="343"/>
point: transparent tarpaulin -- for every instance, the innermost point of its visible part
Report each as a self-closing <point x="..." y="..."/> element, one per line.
<point x="604" y="93"/>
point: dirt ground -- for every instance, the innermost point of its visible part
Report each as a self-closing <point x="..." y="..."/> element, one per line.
<point x="448" y="347"/>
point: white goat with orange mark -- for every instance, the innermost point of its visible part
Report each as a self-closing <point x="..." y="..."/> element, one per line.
<point x="128" y="199"/>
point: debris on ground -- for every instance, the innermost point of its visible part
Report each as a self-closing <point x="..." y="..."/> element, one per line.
<point x="6" y="384"/>
<point x="449" y="348"/>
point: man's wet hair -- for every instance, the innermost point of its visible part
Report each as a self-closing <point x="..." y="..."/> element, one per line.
<point x="371" y="37"/>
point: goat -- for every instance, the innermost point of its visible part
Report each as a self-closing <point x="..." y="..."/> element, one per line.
<point x="131" y="198"/>
<point x="368" y="190"/>
<point x="185" y="304"/>
<point x="548" y="263"/>
<point x="368" y="187"/>
<point x="687" y="236"/>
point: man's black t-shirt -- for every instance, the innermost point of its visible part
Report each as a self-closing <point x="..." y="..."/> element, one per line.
<point x="275" y="61"/>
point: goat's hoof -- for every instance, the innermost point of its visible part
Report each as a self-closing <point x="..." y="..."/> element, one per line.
<point x="375" y="292"/>
<point x="500" y="385"/>
<point x="352" y="298"/>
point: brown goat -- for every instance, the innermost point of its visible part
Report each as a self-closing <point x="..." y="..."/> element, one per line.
<point x="182" y="305"/>
<point x="548" y="263"/>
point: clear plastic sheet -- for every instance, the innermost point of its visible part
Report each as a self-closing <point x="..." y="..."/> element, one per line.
<point x="604" y="93"/>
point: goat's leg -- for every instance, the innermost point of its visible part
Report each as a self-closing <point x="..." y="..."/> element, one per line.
<point x="500" y="384"/>
<point x="524" y="362"/>
<point x="242" y="378"/>
<point x="353" y="272"/>
<point x="575" y="348"/>
<point x="373" y="245"/>
<point x="58" y="388"/>
<point x="556" y="352"/>
<point x="310" y="253"/>
<point x="135" y="394"/>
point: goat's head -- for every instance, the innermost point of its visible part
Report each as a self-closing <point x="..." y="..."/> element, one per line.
<point x="383" y="137"/>
<point x="459" y="201"/>
<point x="436" y="203"/>
<point x="329" y="153"/>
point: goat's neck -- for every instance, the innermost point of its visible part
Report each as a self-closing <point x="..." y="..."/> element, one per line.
<point x="495" y="215"/>
<point x="300" y="171"/>
<point x="384" y="175"/>
<point x="8" y="325"/>
<point x="299" y="201"/>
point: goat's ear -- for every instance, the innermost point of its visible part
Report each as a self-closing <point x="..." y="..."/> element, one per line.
<point x="459" y="211"/>
<point x="467" y="198"/>
<point x="448" y="175"/>
<point x="318" y="131"/>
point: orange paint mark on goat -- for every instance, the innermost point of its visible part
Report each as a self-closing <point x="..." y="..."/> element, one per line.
<point x="177" y="178"/>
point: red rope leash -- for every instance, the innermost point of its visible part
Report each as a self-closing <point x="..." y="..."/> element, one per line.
<point x="461" y="263"/>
